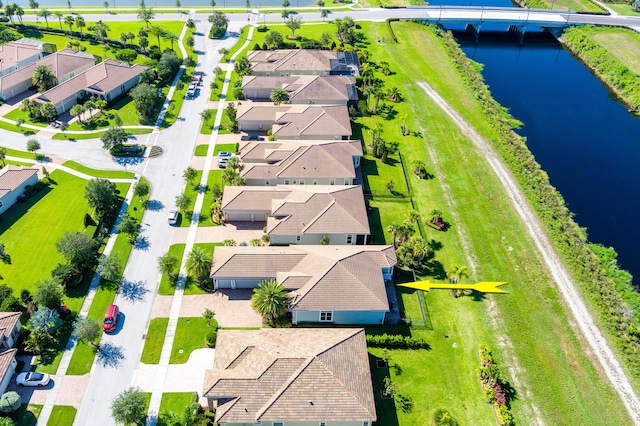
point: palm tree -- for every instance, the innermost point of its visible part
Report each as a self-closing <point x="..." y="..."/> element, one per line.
<point x="43" y="77"/>
<point x="46" y="14"/>
<point x="167" y="264"/>
<point x="394" y="229"/>
<point x="413" y="216"/>
<point x="199" y="263"/>
<point x="212" y="3"/>
<point x="10" y="10"/>
<point x="170" y="37"/>
<point x="59" y="16"/>
<point x="255" y="242"/>
<point x="279" y="96"/>
<point x="158" y="32"/>
<point x="455" y="274"/>
<point x="19" y="12"/>
<point x="3" y="155"/>
<point x="69" y="20"/>
<point x="76" y="111"/>
<point x="394" y="94"/>
<point x="270" y="300"/>
<point x="106" y="6"/>
<point x="80" y="23"/>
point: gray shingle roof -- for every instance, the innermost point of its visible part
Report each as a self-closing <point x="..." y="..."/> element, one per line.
<point x="291" y="375"/>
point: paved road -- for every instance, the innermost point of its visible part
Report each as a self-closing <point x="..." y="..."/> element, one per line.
<point x="377" y="14"/>
<point x="141" y="276"/>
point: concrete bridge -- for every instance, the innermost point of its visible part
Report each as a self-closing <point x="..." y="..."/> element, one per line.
<point x="516" y="19"/>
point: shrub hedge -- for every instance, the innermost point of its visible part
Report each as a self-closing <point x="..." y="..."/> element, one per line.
<point x="396" y="341"/>
<point x="492" y="386"/>
<point x="593" y="267"/>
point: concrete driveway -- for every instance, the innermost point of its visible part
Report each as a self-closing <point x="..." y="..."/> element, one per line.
<point x="232" y="307"/>
<point x="242" y="232"/>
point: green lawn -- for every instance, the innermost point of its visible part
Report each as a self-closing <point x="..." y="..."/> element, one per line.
<point x="175" y="402"/>
<point x="201" y="150"/>
<point x="190" y="334"/>
<point x="82" y="136"/>
<point x="207" y="126"/>
<point x="62" y="415"/>
<point x="18" y="113"/>
<point x="620" y="42"/>
<point x="14" y="128"/>
<point x="154" y="341"/>
<point x="27" y="415"/>
<point x="623" y="9"/>
<point x="123" y="107"/>
<point x="229" y="147"/>
<point x="107" y="174"/>
<point x="46" y="216"/>
<point x="546" y="369"/>
<point x="168" y="285"/>
<point x="115" y="29"/>
<point x="215" y="176"/>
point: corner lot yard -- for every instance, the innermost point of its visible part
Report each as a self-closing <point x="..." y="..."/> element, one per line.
<point x="31" y="229"/>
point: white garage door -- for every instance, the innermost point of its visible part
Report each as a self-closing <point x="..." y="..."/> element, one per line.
<point x="238" y="216"/>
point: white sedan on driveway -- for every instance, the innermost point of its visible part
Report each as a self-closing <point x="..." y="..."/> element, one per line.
<point x="33" y="379"/>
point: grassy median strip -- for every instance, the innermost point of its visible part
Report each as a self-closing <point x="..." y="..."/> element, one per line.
<point x="154" y="341"/>
<point x="527" y="329"/>
<point x="106" y="174"/>
<point x="190" y="335"/>
<point x="168" y="284"/>
<point x="62" y="415"/>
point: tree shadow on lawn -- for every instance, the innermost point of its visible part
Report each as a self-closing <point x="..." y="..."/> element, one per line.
<point x="18" y="210"/>
<point x="375" y="224"/>
<point x="385" y="408"/>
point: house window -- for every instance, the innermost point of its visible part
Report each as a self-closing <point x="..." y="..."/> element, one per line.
<point x="347" y="181"/>
<point x="365" y="423"/>
<point x="326" y="316"/>
<point x="0" y="204"/>
<point x="298" y="238"/>
<point x="266" y="182"/>
<point x="301" y="182"/>
<point x="121" y="89"/>
<point x="323" y="423"/>
<point x="278" y="424"/>
<point x="71" y="74"/>
<point x="315" y="181"/>
<point x="286" y="181"/>
<point x="332" y="181"/>
<point x="295" y="181"/>
<point x="349" y="239"/>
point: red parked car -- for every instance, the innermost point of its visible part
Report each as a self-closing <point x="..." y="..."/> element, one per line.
<point x="111" y="319"/>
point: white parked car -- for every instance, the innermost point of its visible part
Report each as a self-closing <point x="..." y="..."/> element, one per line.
<point x="33" y="379"/>
<point x="173" y="216"/>
<point x="225" y="154"/>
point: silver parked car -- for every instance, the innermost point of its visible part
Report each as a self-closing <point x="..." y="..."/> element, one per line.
<point x="33" y="379"/>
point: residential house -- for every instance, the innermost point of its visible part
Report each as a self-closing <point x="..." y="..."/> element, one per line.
<point x="301" y="214"/>
<point x="286" y="62"/>
<point x="9" y="332"/>
<point x="282" y="377"/>
<point x="13" y="181"/>
<point x="304" y="122"/>
<point x="313" y="163"/>
<point x="106" y="80"/>
<point x="65" y="64"/>
<point x="305" y="89"/>
<point x="326" y="283"/>
<point x="18" y="53"/>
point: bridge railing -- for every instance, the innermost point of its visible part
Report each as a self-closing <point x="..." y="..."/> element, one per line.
<point x="494" y="8"/>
